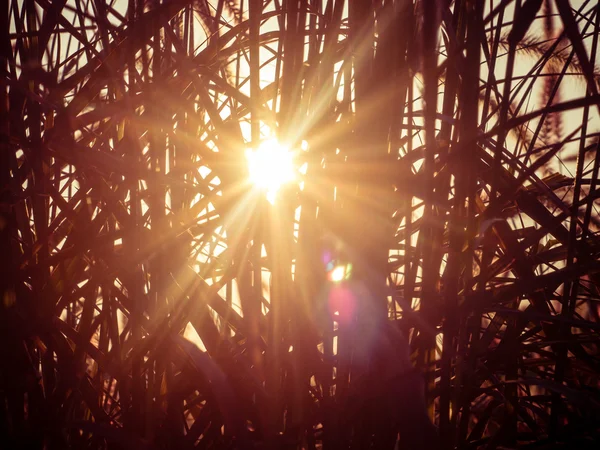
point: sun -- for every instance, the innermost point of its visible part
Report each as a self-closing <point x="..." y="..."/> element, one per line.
<point x="270" y="166"/>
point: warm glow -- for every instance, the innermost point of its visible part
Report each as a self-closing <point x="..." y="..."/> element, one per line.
<point x="338" y="274"/>
<point x="270" y="166"/>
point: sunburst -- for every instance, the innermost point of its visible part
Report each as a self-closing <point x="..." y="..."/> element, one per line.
<point x="270" y="166"/>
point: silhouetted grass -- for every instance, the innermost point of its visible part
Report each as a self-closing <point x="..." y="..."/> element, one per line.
<point x="153" y="299"/>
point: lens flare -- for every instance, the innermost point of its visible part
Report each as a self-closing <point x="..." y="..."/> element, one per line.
<point x="338" y="274"/>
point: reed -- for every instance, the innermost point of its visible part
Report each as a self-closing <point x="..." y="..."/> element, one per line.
<point x="428" y="278"/>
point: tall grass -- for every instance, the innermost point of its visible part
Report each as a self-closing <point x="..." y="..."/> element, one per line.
<point x="446" y="154"/>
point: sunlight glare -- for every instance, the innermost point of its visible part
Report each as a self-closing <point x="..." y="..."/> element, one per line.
<point x="270" y="166"/>
<point x="340" y="273"/>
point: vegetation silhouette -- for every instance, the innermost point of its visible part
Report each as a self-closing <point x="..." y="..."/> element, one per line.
<point x="427" y="278"/>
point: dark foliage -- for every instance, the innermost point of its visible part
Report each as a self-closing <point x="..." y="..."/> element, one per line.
<point x="152" y="298"/>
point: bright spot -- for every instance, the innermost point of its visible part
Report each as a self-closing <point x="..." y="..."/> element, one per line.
<point x="338" y="274"/>
<point x="270" y="166"/>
